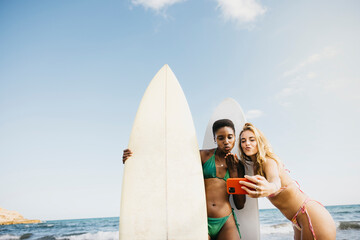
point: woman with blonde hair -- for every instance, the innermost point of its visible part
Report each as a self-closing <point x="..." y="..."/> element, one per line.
<point x="310" y="219"/>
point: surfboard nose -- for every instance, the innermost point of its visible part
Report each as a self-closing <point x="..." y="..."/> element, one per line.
<point x="168" y="71"/>
<point x="165" y="164"/>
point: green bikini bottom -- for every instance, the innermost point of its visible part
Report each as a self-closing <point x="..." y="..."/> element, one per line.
<point x="215" y="225"/>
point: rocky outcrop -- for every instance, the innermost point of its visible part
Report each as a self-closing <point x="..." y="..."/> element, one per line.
<point x="12" y="217"/>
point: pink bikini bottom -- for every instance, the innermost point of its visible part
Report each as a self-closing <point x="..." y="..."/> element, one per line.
<point x="303" y="209"/>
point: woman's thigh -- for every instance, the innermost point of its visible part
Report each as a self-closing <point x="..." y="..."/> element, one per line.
<point x="321" y="221"/>
<point x="229" y="231"/>
<point x="297" y="234"/>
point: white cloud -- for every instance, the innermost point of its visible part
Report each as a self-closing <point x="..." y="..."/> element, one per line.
<point x="255" y="113"/>
<point x="286" y="93"/>
<point x="326" y="53"/>
<point x="156" y="5"/>
<point x="311" y="75"/>
<point x="305" y="76"/>
<point x="240" y="11"/>
<point x="346" y="88"/>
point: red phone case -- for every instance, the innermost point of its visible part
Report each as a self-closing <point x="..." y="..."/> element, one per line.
<point x="234" y="187"/>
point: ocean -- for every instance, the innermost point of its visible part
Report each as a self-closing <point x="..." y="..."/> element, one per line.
<point x="272" y="224"/>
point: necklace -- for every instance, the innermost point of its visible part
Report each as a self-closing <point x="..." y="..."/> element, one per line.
<point x="221" y="164"/>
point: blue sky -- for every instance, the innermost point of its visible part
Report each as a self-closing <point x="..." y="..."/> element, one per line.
<point x="72" y="74"/>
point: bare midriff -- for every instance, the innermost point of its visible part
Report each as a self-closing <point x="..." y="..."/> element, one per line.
<point x="290" y="199"/>
<point x="217" y="199"/>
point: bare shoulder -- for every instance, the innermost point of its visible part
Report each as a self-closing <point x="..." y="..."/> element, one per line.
<point x="206" y="154"/>
<point x="271" y="164"/>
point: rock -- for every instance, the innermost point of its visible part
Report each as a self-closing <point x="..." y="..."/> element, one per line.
<point x="12" y="217"/>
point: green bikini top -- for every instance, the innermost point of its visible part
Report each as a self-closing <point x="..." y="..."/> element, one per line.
<point x="209" y="169"/>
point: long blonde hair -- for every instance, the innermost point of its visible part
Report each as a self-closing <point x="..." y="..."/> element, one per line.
<point x="264" y="150"/>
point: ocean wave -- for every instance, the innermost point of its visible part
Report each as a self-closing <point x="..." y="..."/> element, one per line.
<point x="93" y="236"/>
<point x="73" y="234"/>
<point x="349" y="225"/>
<point x="45" y="225"/>
<point x="283" y="228"/>
<point x="346" y="212"/>
<point x="26" y="236"/>
<point x="9" y="237"/>
<point x="47" y="238"/>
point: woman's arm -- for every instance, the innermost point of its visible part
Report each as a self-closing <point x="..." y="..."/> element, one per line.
<point x="206" y="154"/>
<point x="202" y="156"/>
<point x="236" y="170"/>
<point x="260" y="186"/>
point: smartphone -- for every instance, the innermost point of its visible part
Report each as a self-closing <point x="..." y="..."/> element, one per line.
<point x="234" y="187"/>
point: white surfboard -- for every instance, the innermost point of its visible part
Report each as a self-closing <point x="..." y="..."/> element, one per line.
<point x="248" y="217"/>
<point x="163" y="194"/>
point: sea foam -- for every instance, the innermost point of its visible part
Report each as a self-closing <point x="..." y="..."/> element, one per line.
<point x="282" y="228"/>
<point x="8" y="237"/>
<point x="93" y="236"/>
